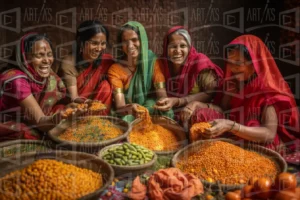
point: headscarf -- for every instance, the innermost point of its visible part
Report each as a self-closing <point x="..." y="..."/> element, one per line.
<point x="194" y="63"/>
<point x="141" y="82"/>
<point x="268" y="88"/>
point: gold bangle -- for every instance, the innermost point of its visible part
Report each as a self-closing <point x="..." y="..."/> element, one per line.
<point x="52" y="118"/>
<point x="159" y="85"/>
<point x="118" y="90"/>
<point x="73" y="100"/>
<point x="232" y="126"/>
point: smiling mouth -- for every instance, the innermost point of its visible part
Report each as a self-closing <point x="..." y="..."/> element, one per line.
<point x="44" y="70"/>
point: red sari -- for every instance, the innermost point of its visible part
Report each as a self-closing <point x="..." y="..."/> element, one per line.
<point x="194" y="64"/>
<point x="267" y="89"/>
<point x="92" y="83"/>
<point x="18" y="83"/>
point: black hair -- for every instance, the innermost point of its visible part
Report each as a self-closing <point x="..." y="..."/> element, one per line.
<point x="242" y="48"/>
<point x="120" y="54"/>
<point x="29" y="41"/>
<point x="85" y="31"/>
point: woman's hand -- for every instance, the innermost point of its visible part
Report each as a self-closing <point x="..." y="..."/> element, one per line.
<point x="73" y="110"/>
<point x="189" y="109"/>
<point x="166" y="104"/>
<point x="219" y="126"/>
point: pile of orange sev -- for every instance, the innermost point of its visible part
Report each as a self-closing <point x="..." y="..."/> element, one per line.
<point x="152" y="136"/>
<point x="224" y="162"/>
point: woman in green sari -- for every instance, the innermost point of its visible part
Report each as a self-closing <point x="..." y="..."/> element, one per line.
<point x="136" y="78"/>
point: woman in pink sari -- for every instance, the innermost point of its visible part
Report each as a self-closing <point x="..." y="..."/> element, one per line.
<point x="85" y="73"/>
<point x="257" y="101"/>
<point x="30" y="91"/>
<point x="190" y="76"/>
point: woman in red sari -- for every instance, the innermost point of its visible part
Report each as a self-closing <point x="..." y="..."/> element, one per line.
<point x="30" y="91"/>
<point x="259" y="103"/>
<point x="85" y="74"/>
<point x="190" y="76"/>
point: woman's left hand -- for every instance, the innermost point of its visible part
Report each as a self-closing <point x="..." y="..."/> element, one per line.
<point x="166" y="104"/>
<point x="219" y="126"/>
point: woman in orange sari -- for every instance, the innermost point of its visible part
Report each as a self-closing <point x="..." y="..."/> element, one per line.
<point x="85" y="74"/>
<point x="259" y="103"/>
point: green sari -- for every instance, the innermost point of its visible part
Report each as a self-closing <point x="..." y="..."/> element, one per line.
<point x="141" y="83"/>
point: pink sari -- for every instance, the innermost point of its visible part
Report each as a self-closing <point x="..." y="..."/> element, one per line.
<point x="194" y="64"/>
<point x="17" y="84"/>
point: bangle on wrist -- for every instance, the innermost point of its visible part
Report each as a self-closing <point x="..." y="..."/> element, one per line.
<point x="178" y="102"/>
<point x="52" y="118"/>
<point x="239" y="128"/>
<point x="73" y="100"/>
<point x="232" y="126"/>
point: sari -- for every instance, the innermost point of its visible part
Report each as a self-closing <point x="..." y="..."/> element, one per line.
<point x="92" y="83"/>
<point x="183" y="84"/>
<point x="140" y="86"/>
<point x="268" y="88"/>
<point x="17" y="83"/>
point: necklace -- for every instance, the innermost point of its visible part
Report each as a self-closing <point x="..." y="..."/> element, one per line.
<point x="132" y="71"/>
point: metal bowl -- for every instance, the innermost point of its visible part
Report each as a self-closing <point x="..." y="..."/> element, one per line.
<point x="129" y="170"/>
<point x="79" y="159"/>
<point x="274" y="156"/>
<point x="171" y="125"/>
<point x="89" y="147"/>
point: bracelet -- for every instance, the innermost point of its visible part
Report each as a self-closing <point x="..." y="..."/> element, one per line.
<point x="52" y="118"/>
<point x="78" y="98"/>
<point x="239" y="128"/>
<point x="232" y="127"/>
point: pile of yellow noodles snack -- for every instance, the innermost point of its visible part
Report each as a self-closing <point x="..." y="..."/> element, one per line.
<point x="197" y="129"/>
<point x="49" y="179"/>
<point x="91" y="129"/>
<point x="152" y="136"/>
<point x="221" y="161"/>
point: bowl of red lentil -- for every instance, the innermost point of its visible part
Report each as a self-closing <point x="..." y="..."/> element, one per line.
<point x="227" y="164"/>
<point x="89" y="134"/>
<point x="165" y="137"/>
<point x="54" y="175"/>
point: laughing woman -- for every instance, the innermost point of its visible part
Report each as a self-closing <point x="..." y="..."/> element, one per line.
<point x="191" y="76"/>
<point x="30" y="91"/>
<point x="136" y="73"/>
<point x="85" y="74"/>
<point x="260" y="105"/>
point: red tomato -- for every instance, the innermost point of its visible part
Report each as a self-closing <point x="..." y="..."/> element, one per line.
<point x="252" y="180"/>
<point x="287" y="195"/>
<point x="248" y="191"/>
<point x="263" y="188"/>
<point x="286" y="181"/>
<point x="232" y="196"/>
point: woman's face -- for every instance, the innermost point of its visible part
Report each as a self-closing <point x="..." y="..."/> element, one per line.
<point x="94" y="47"/>
<point x="178" y="49"/>
<point x="240" y="67"/>
<point x="41" y="58"/>
<point x="131" y="44"/>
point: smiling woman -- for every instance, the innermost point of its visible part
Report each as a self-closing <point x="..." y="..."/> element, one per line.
<point x="85" y="72"/>
<point x="191" y="77"/>
<point x="30" y="91"/>
<point x="135" y="75"/>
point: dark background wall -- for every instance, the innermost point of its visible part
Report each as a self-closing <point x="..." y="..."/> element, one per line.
<point x="212" y="24"/>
